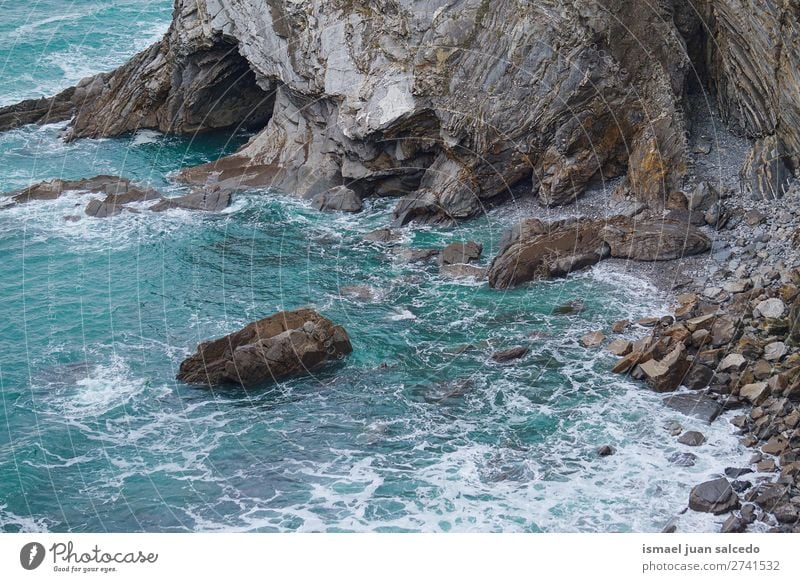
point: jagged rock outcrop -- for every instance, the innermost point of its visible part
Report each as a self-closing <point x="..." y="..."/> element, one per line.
<point x="753" y="63"/>
<point x="119" y="194"/>
<point x="38" y="111"/>
<point x="533" y="250"/>
<point x="452" y="104"/>
<point x="116" y="189"/>
<point x="337" y="199"/>
<point x="193" y="80"/>
<point x="285" y="344"/>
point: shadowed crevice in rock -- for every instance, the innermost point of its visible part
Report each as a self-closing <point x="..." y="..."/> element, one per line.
<point x="184" y="84"/>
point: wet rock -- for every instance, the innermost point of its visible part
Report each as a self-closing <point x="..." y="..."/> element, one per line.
<point x="768" y="496"/>
<point x="620" y="347"/>
<point x="337" y="199"/>
<point x="200" y="200"/>
<point x="733" y="524"/>
<point x="786" y="513"/>
<point x="755" y="393"/>
<point x="674" y="427"/>
<point x="460" y="252"/>
<point x="665" y="375"/>
<point x="695" y="405"/>
<point x="570" y="308"/>
<point x="683" y="459"/>
<point x="735" y="473"/>
<point x="593" y="339"/>
<point x="417" y="255"/>
<point x="539" y="251"/>
<point x="112" y="186"/>
<point x="605" y="451"/>
<point x="625" y="364"/>
<point x="714" y="496"/>
<point x="38" y="111"/>
<point x="692" y="438"/>
<point x="775" y="446"/>
<point x="698" y="377"/>
<point x="620" y="326"/>
<point x="286" y="344"/>
<point x="748" y="512"/>
<point x="510" y="354"/>
<point x="461" y="271"/>
<point x="535" y="250"/>
<point x="766" y="466"/>
<point x="383" y="235"/>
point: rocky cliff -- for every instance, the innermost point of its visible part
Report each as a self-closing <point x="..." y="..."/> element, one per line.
<point x="454" y="104"/>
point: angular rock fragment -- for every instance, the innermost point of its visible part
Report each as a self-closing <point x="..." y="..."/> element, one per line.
<point x="337" y="199"/>
<point x="714" y="496"/>
<point x="696" y="405"/>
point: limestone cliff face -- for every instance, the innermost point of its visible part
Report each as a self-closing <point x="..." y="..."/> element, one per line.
<point x="453" y="104"/>
<point x="753" y="55"/>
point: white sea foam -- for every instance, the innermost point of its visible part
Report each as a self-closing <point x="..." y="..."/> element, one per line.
<point x="24" y="524"/>
<point x="146" y="136"/>
<point x="402" y="315"/>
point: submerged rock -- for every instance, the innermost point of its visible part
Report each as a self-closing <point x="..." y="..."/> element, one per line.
<point x="606" y="451"/>
<point x="510" y="354"/>
<point x="593" y="339"/>
<point x="573" y="307"/>
<point x="683" y="459"/>
<point x="286" y="344"/>
<point x="461" y="271"/>
<point x="383" y="235"/>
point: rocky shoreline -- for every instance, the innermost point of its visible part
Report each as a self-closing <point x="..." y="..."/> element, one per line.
<point x="391" y="99"/>
<point x="732" y="344"/>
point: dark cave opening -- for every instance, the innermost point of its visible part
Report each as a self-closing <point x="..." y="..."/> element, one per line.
<point x="219" y="91"/>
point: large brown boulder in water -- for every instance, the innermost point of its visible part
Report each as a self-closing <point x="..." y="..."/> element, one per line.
<point x="537" y="250"/>
<point x="534" y="250"/>
<point x="289" y="343"/>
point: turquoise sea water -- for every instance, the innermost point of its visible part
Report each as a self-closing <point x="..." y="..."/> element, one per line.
<point x="96" y="315"/>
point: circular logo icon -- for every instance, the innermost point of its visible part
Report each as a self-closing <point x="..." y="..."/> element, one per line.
<point x="31" y="555"/>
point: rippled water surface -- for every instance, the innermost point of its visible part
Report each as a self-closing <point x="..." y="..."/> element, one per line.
<point x="418" y="430"/>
